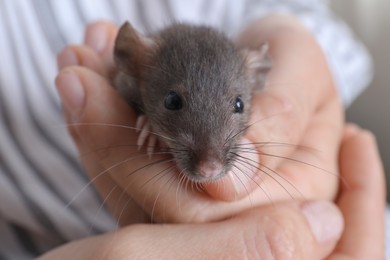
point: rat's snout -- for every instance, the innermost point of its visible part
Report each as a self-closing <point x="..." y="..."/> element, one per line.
<point x="210" y="169"/>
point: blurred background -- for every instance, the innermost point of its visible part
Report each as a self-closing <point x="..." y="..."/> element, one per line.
<point x="370" y="20"/>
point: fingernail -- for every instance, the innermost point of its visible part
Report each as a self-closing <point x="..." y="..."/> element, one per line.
<point x="72" y="93"/>
<point x="67" y="57"/>
<point x="96" y="37"/>
<point x="246" y="167"/>
<point x="324" y="219"/>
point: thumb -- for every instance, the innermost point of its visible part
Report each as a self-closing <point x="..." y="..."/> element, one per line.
<point x="284" y="231"/>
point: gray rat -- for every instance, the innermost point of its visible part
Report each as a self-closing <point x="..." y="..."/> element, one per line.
<point x="195" y="88"/>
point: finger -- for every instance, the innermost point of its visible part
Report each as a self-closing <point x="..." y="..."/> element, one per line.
<point x="362" y="197"/>
<point x="282" y="232"/>
<point x="81" y="55"/>
<point x="100" y="36"/>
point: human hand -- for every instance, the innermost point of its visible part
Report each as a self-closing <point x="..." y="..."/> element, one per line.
<point x="362" y="197"/>
<point x="289" y="230"/>
<point x="163" y="196"/>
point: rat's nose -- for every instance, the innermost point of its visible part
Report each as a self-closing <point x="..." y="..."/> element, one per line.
<point x="210" y="169"/>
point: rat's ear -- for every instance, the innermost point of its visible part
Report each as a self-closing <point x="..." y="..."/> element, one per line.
<point x="257" y="63"/>
<point x="132" y="50"/>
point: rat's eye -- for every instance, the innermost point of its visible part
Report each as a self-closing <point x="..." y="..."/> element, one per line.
<point x="238" y="105"/>
<point x="173" y="101"/>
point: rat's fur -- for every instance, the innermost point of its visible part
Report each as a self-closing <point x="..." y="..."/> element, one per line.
<point x="208" y="72"/>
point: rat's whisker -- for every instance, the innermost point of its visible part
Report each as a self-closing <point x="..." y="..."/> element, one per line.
<point x="124" y="146"/>
<point x="229" y="137"/>
<point x="275" y="144"/>
<point x="302" y="162"/>
<point x="100" y="208"/>
<point x="250" y="125"/>
<point x="182" y="180"/>
<point x="170" y="181"/>
<point x="122" y="210"/>
<point x="198" y="186"/>
<point x="107" y="170"/>
<point x="163" y="160"/>
<point x="253" y="179"/>
<point x="160" y="174"/>
<point x="120" y="126"/>
<point x="190" y="184"/>
<point x="171" y="184"/>
<point x="267" y="172"/>
<point x="242" y="183"/>
<point x="99" y="175"/>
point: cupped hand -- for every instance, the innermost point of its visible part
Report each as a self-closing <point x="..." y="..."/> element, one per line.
<point x="289" y="230"/>
<point x="296" y="128"/>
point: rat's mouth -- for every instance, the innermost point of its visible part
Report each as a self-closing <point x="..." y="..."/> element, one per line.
<point x="206" y="170"/>
<point x="242" y="162"/>
<point x="202" y="171"/>
<point x="239" y="177"/>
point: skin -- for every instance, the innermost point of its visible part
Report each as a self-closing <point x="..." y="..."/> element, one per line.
<point x="97" y="102"/>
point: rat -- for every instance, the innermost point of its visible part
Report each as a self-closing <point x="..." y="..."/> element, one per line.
<point x="192" y="87"/>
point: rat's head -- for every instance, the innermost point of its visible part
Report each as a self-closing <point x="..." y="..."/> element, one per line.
<point x="196" y="89"/>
